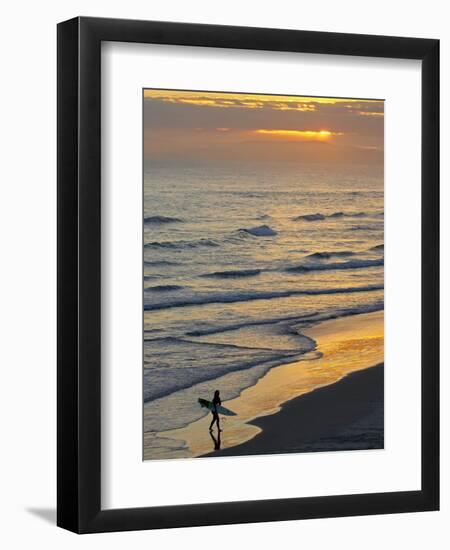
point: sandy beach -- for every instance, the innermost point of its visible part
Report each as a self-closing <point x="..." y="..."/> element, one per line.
<point x="306" y="425"/>
<point x="313" y="404"/>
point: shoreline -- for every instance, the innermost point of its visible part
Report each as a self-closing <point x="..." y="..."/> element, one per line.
<point x="357" y="421"/>
<point x="346" y="345"/>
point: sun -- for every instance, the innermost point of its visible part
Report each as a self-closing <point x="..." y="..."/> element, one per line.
<point x="302" y="135"/>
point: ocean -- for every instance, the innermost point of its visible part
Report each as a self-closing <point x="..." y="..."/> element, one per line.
<point x="238" y="258"/>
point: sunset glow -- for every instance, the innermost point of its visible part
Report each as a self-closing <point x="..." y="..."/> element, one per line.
<point x="211" y="126"/>
<point x="299" y="134"/>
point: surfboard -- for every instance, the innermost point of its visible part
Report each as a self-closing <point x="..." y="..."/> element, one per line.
<point x="221" y="410"/>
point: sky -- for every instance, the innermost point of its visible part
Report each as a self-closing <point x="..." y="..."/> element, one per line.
<point x="197" y="125"/>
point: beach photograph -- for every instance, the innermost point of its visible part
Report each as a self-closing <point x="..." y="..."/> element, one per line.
<point x="263" y="274"/>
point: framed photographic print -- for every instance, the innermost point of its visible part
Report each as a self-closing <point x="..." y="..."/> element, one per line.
<point x="247" y="274"/>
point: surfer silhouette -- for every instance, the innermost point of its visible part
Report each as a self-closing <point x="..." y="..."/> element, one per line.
<point x="216" y="402"/>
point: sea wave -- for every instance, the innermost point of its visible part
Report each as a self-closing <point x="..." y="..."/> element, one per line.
<point x="159" y="220"/>
<point x="232" y="273"/>
<point x="351" y="264"/>
<point x="294" y="320"/>
<point x="333" y="254"/>
<point x="180" y="245"/>
<point x="310" y="217"/>
<point x="230" y="297"/>
<point x="159" y="263"/>
<point x="318" y="216"/>
<point x="260" y="231"/>
<point x="163" y="288"/>
<point x="372" y="227"/>
<point x="348" y="215"/>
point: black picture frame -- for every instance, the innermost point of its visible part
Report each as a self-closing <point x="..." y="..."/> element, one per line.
<point x="79" y="280"/>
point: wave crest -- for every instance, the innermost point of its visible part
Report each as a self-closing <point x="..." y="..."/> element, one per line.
<point x="260" y="231"/>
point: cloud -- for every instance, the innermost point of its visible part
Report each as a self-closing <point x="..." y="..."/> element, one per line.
<point x="227" y="100"/>
<point x="229" y="125"/>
